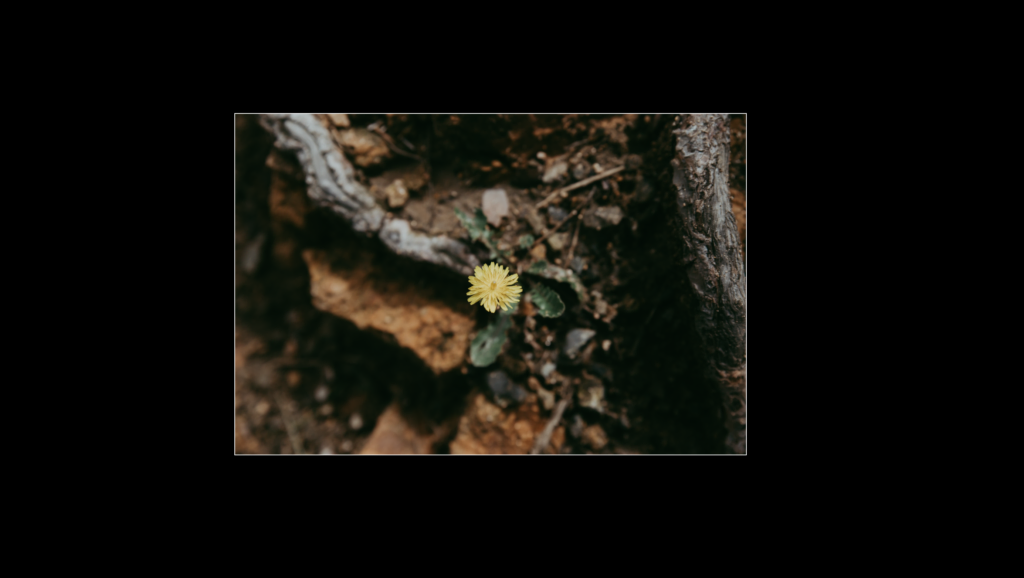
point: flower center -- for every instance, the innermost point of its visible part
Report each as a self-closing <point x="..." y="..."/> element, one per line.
<point x="494" y="285"/>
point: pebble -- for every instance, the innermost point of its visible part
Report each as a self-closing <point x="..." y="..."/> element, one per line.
<point x="546" y="369"/>
<point x="598" y="217"/>
<point x="539" y="252"/>
<point x="326" y="451"/>
<point x="541" y="155"/>
<point x="606" y="344"/>
<point x="495" y="206"/>
<point x="397" y="193"/>
<point x="556" y="171"/>
<point x="580" y="171"/>
<point x="346" y="445"/>
<point x="558" y="241"/>
<point x="504" y="389"/>
<point x="355" y="422"/>
<point x="262" y="407"/>
<point x="577" y="265"/>
<point x="251" y="255"/>
<point x="576" y="339"/>
<point x="321" y="393"/>
<point x="556" y="215"/>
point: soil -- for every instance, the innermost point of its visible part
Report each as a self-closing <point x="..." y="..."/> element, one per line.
<point x="344" y="347"/>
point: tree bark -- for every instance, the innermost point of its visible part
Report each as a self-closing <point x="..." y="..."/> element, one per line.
<point x="712" y="260"/>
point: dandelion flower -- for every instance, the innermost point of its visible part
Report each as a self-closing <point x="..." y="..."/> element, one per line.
<point x="493" y="287"/>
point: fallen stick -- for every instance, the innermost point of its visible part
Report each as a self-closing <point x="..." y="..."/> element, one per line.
<point x="564" y="191"/>
<point x="545" y="436"/>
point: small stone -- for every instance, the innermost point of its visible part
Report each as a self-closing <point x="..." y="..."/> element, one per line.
<point x="606" y="344"/>
<point x="580" y="171"/>
<point x="597" y="168"/>
<point x="547" y="398"/>
<point x="595" y="437"/>
<point x="397" y="193"/>
<point x="346" y="446"/>
<point x="558" y="241"/>
<point x="598" y="217"/>
<point x="495" y="206"/>
<point x="591" y="394"/>
<point x="321" y="393"/>
<point x="546" y="369"/>
<point x="504" y="389"/>
<point x="577" y="265"/>
<point x="251" y="255"/>
<point x="556" y="215"/>
<point x="576" y="339"/>
<point x="262" y="407"/>
<point x="539" y="252"/>
<point x="555" y="170"/>
<point x="355" y="422"/>
<point x="541" y="155"/>
<point x="326" y="451"/>
<point x="339" y="119"/>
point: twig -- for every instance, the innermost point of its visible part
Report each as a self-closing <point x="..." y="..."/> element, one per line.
<point x="574" y="186"/>
<point x="545" y="436"/>
<point x="559" y="225"/>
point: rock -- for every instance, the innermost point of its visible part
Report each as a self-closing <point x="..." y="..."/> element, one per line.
<point x="251" y="254"/>
<point x="558" y="241"/>
<point x="339" y="119"/>
<point x="591" y="394"/>
<point x="396" y="193"/>
<point x="546" y="369"/>
<point x="504" y="390"/>
<point x="606" y="344"/>
<point x="355" y="422"/>
<point x="321" y="393"/>
<point x="576" y="265"/>
<point x="555" y="170"/>
<point x="598" y="217"/>
<point x="349" y="283"/>
<point x="539" y="252"/>
<point x="326" y="451"/>
<point x="495" y="206"/>
<point x="580" y="171"/>
<point x="595" y="437"/>
<point x="366" y="148"/>
<point x="394" y="435"/>
<point x="556" y="215"/>
<point x="576" y="339"/>
<point x="486" y="428"/>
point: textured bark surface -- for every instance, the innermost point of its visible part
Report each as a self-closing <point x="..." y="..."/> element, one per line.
<point x="712" y="259"/>
<point x="332" y="184"/>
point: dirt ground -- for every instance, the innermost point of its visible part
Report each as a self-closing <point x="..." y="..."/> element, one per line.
<point x="344" y="347"/>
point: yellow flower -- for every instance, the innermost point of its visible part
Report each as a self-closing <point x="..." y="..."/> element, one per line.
<point x="493" y="287"/>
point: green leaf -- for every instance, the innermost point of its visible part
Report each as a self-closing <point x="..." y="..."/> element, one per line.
<point x="548" y="303"/>
<point x="525" y="241"/>
<point x="486" y="346"/>
<point x="555" y="273"/>
<point x="476" y="225"/>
